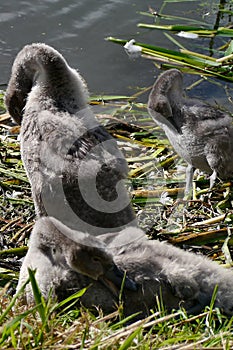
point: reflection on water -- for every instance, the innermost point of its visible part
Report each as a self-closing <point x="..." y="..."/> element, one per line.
<point x="77" y="28"/>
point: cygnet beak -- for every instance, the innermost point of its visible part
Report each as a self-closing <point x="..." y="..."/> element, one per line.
<point x="113" y="279"/>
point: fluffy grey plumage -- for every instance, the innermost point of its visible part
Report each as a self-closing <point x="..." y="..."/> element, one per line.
<point x="181" y="277"/>
<point x="74" y="166"/>
<point x="66" y="261"/>
<point x="201" y="134"/>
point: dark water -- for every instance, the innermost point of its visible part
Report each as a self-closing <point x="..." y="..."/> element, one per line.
<point x="78" y="29"/>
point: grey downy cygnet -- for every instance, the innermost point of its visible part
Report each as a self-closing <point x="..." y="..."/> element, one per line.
<point x="183" y="278"/>
<point x="66" y="261"/>
<point x="75" y="167"/>
<point x="201" y="134"/>
<point x="158" y="270"/>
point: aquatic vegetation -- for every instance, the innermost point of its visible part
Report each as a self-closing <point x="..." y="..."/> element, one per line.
<point x="185" y="59"/>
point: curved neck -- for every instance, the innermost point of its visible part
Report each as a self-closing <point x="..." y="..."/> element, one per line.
<point x="44" y="69"/>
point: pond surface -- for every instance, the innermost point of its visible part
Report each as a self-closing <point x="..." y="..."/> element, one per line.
<point x="78" y="28"/>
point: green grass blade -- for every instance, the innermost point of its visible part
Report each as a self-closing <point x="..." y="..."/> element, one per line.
<point x="12" y="303"/>
<point x="124" y="321"/>
<point x="13" y="175"/>
<point x="174" y="41"/>
<point x="128" y="341"/>
<point x="209" y="32"/>
<point x="70" y="298"/>
<point x="21" y="251"/>
<point x="39" y="299"/>
<point x="13" y="324"/>
<point x="109" y="97"/>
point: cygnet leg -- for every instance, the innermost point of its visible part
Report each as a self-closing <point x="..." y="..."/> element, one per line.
<point x="213" y="178"/>
<point x="189" y="179"/>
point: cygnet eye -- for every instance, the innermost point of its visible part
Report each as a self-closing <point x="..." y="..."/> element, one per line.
<point x="54" y="250"/>
<point x="95" y="259"/>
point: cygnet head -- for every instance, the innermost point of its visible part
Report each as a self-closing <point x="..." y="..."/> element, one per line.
<point x="40" y="67"/>
<point x="168" y="88"/>
<point x="90" y="261"/>
<point x="78" y="251"/>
